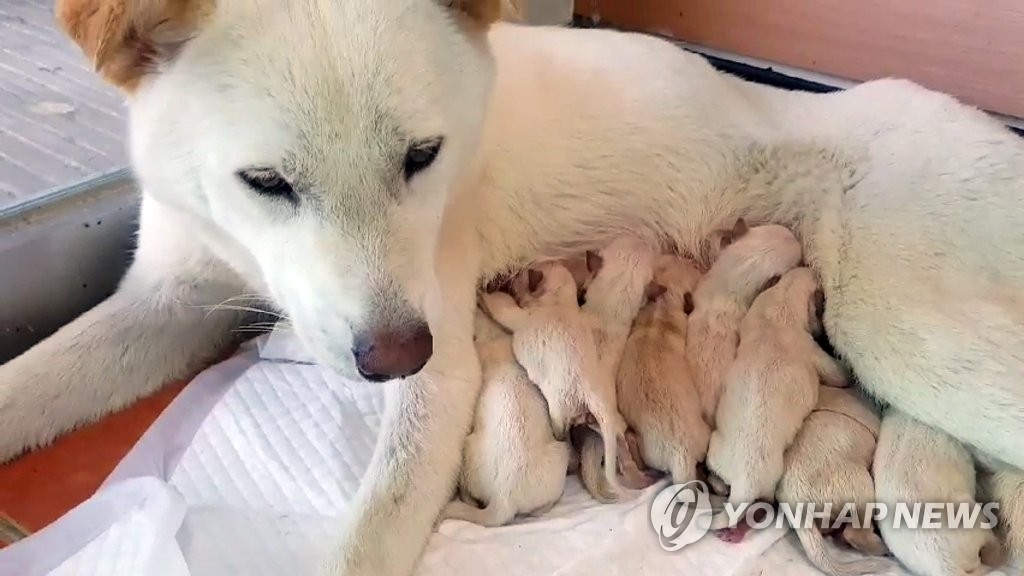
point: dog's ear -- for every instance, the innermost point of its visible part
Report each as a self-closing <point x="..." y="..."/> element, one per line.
<point x="481" y="12"/>
<point x="129" y="39"/>
<point x="533" y="279"/>
<point x="594" y="262"/>
<point x="654" y="291"/>
<point x="512" y="10"/>
<point x="739" y="229"/>
<point x="687" y="303"/>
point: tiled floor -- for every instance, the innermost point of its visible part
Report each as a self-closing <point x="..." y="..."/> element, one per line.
<point x="59" y="123"/>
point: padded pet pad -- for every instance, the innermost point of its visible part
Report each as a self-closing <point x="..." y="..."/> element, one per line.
<point x="252" y="468"/>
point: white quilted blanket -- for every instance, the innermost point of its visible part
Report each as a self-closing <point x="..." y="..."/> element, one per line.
<point x="250" y="470"/>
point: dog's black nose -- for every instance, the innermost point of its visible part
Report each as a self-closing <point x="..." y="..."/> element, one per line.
<point x="383" y="355"/>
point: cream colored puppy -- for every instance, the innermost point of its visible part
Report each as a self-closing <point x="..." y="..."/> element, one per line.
<point x="614" y="290"/>
<point x="917" y="463"/>
<point x="770" y="388"/>
<point x="1005" y="485"/>
<point x="655" y="389"/>
<point x="555" y="342"/>
<point x="511" y="461"/>
<point x="830" y="463"/>
<point x="750" y="259"/>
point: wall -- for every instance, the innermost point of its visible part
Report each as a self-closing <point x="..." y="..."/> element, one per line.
<point x="973" y="49"/>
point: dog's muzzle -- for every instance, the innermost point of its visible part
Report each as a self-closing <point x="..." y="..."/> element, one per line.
<point x="383" y="355"/>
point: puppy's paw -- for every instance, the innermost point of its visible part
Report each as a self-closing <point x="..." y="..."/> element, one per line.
<point x="733" y="535"/>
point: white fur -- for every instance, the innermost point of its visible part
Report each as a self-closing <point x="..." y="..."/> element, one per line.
<point x="655" y="389"/>
<point x="1005" y="485"/>
<point x="906" y="203"/>
<point x="511" y="462"/>
<point x="769" y="389"/>
<point x="722" y="299"/>
<point x="829" y="463"/>
<point x="917" y="463"/>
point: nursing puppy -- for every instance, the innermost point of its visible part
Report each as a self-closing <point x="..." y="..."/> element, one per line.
<point x="655" y="389"/>
<point x="829" y="462"/>
<point x="1005" y="486"/>
<point x="511" y="461"/>
<point x="555" y="342"/>
<point x="771" y="387"/>
<point x="749" y="260"/>
<point x="917" y="463"/>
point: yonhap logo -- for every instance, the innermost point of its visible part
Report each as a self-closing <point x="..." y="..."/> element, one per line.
<point x="681" y="514"/>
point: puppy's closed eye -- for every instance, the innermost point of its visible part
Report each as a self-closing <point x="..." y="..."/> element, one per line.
<point x="687" y="303"/>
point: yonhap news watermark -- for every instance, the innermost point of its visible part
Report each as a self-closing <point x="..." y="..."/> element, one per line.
<point x="683" y="513"/>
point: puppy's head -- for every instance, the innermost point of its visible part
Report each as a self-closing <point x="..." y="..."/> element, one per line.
<point x="316" y="142"/>
<point x="545" y="283"/>
<point x="583" y="269"/>
<point x="678" y="277"/>
<point x="799" y="290"/>
<point x="752" y="259"/>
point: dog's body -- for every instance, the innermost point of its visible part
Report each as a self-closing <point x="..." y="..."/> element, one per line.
<point x="917" y="463"/>
<point x="655" y="389"/>
<point x="308" y="168"/>
<point x="555" y="342"/>
<point x="769" y="390"/>
<point x="722" y="299"/>
<point x="829" y="463"/>
<point x="511" y="462"/>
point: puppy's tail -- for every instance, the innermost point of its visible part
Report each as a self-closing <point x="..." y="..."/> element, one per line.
<point x="495" y="514"/>
<point x="591" y="472"/>
<point x="814" y="546"/>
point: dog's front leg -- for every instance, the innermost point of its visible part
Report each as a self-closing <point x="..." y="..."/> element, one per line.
<point x="413" y="471"/>
<point x="157" y="326"/>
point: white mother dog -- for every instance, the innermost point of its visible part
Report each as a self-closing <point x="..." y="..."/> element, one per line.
<point x="362" y="163"/>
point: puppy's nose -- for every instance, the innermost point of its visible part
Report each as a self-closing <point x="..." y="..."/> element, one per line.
<point x="387" y="354"/>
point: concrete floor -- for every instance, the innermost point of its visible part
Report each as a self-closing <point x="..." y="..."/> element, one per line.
<point x="59" y="124"/>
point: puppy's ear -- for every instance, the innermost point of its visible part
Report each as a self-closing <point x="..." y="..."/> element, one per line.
<point x="770" y="282"/>
<point x="533" y="279"/>
<point x="687" y="303"/>
<point x="654" y="291"/>
<point x="816" y="308"/>
<point x="129" y="39"/>
<point x="739" y="229"/>
<point x="594" y="262"/>
<point x="481" y="12"/>
<point x="818" y="302"/>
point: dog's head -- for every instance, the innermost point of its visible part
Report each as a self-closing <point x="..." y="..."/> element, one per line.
<point x="316" y="140"/>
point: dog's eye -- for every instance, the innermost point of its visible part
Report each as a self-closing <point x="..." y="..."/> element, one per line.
<point x="420" y="156"/>
<point x="267" y="181"/>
